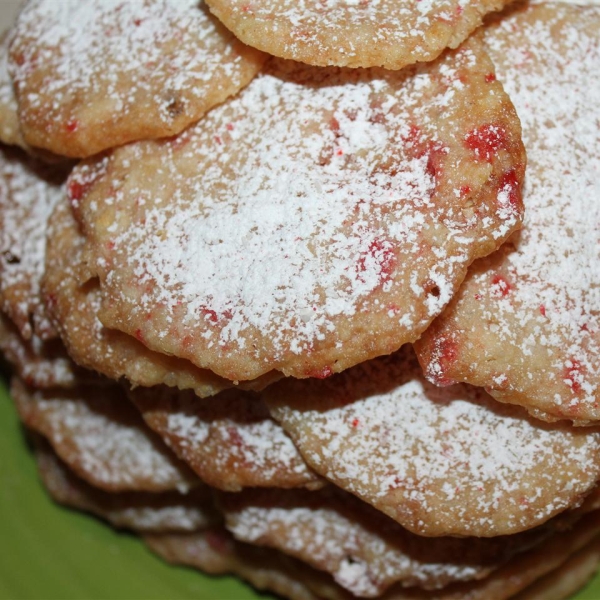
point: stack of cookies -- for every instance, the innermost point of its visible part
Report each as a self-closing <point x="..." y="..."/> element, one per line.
<point x="309" y="291"/>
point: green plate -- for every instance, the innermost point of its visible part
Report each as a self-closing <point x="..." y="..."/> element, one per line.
<point x="50" y="553"/>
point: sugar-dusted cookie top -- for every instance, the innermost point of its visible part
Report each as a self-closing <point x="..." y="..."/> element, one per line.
<point x="361" y="548"/>
<point x="526" y="322"/>
<point x="97" y="432"/>
<point x="73" y="304"/>
<point x="318" y="219"/>
<point x="29" y="190"/>
<point x="230" y="440"/>
<point x="440" y="461"/>
<point x="353" y="33"/>
<point x="10" y="130"/>
<point x="93" y="74"/>
<point x="168" y="511"/>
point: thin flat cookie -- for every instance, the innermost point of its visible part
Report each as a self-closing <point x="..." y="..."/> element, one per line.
<point x="139" y="511"/>
<point x="102" y="438"/>
<point x="93" y="74"/>
<point x="362" y="549"/>
<point x="73" y="308"/>
<point x="230" y="441"/>
<point x="319" y="218"/>
<point x="29" y="190"/>
<point x="353" y="33"/>
<point x="440" y="461"/>
<point x="525" y="323"/>
<point x="39" y="363"/>
<point x="217" y="553"/>
<point x="567" y="579"/>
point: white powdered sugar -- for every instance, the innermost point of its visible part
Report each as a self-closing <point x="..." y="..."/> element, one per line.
<point x="438" y="460"/>
<point x="308" y="205"/>
<point x="553" y="288"/>
<point x="90" y="44"/>
<point x="29" y="191"/>
<point x="361" y="556"/>
<point x="106" y="444"/>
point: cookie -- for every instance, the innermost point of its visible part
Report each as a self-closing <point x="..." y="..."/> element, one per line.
<point x="364" y="551"/>
<point x="208" y="552"/>
<point x="102" y="438"/>
<point x="230" y="440"/>
<point x="93" y="74"/>
<point x="10" y="130"/>
<point x="73" y="303"/>
<point x="217" y="553"/>
<point x="29" y="190"/>
<point x="525" y="322"/>
<point x="440" y="461"/>
<point x="39" y="363"/>
<point x="139" y="511"/>
<point x="319" y="218"/>
<point x="348" y="33"/>
<point x="570" y="577"/>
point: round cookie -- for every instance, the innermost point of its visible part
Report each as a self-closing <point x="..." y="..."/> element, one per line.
<point x="319" y="218"/>
<point x="230" y="441"/>
<point x="102" y="438"/>
<point x="353" y="33"/>
<point x="29" y="190"/>
<point x="40" y="364"/>
<point x="205" y="551"/>
<point x="94" y="74"/>
<point x="140" y="511"/>
<point x="440" y="461"/>
<point x="73" y="307"/>
<point x="362" y="549"/>
<point x="525" y="323"/>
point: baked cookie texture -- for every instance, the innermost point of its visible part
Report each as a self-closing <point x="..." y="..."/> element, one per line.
<point x="447" y="461"/>
<point x="10" y="129"/>
<point x="102" y="438"/>
<point x="169" y="511"/>
<point x="524" y="325"/>
<point x="230" y="441"/>
<point x="94" y="74"/>
<point x="319" y="218"/>
<point x="348" y="33"/>
<point x="29" y="190"/>
<point x="72" y="302"/>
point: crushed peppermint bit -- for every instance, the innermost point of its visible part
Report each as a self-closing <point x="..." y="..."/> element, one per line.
<point x="440" y="461"/>
<point x="271" y="249"/>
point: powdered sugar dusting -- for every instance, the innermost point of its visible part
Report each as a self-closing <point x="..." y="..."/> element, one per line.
<point x="540" y="296"/>
<point x="102" y="438"/>
<point x="362" y="556"/>
<point x="356" y="33"/>
<point x="556" y="265"/>
<point x="101" y="60"/>
<point x="310" y="193"/>
<point x="439" y="461"/>
<point x="28" y="193"/>
<point x="230" y="440"/>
